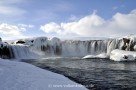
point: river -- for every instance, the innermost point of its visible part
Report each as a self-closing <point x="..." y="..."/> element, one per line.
<point x="95" y="74"/>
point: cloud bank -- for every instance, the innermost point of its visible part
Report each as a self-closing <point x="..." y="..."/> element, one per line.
<point x="95" y="26"/>
<point x="14" y="31"/>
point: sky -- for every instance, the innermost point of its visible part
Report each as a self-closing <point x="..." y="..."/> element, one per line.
<point x="67" y="18"/>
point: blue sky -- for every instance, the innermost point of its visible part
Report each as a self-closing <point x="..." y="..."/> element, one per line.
<point x="31" y="18"/>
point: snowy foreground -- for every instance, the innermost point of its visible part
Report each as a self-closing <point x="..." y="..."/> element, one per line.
<point x="23" y="76"/>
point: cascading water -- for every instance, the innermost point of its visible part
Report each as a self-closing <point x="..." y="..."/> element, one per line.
<point x="69" y="48"/>
<point x="16" y="51"/>
<point x="55" y="46"/>
<point x="22" y="52"/>
<point x="81" y="48"/>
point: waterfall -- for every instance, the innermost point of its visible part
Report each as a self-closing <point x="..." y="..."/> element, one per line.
<point x="22" y="52"/>
<point x="81" y="48"/>
<point x="56" y="47"/>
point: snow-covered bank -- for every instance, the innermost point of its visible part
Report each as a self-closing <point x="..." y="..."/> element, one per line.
<point x="23" y="76"/>
<point x="122" y="55"/>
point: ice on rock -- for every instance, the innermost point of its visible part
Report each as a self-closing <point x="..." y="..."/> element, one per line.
<point x="55" y="41"/>
<point x="40" y="41"/>
<point x="122" y="55"/>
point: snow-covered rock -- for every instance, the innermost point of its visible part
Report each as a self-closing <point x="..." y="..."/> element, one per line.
<point x="23" y="76"/>
<point x="122" y="55"/>
<point x="102" y="55"/>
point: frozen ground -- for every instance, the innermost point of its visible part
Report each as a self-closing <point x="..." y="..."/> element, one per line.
<point x="22" y="76"/>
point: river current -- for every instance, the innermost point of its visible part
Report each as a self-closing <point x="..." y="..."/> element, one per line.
<point x="95" y="74"/>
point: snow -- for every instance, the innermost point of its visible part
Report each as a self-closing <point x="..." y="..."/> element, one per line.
<point x="121" y="55"/>
<point x="102" y="55"/>
<point x="23" y="76"/>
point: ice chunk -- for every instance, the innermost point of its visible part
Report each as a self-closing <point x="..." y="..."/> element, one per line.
<point x="102" y="55"/>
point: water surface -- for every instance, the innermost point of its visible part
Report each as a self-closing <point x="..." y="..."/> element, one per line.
<point x="100" y="74"/>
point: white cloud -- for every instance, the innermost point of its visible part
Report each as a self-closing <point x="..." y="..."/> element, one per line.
<point x="11" y="30"/>
<point x="94" y="25"/>
<point x="25" y="26"/>
<point x="51" y="28"/>
<point x="8" y="29"/>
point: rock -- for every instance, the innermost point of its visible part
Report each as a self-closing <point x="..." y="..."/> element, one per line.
<point x="20" y="42"/>
<point x="0" y="40"/>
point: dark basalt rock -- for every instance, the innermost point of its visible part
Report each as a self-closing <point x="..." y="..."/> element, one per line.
<point x="32" y="41"/>
<point x="132" y="44"/>
<point x="125" y="57"/>
<point x="125" y="40"/>
<point x="20" y="42"/>
<point x="6" y="52"/>
<point x="124" y="47"/>
<point x="128" y="44"/>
